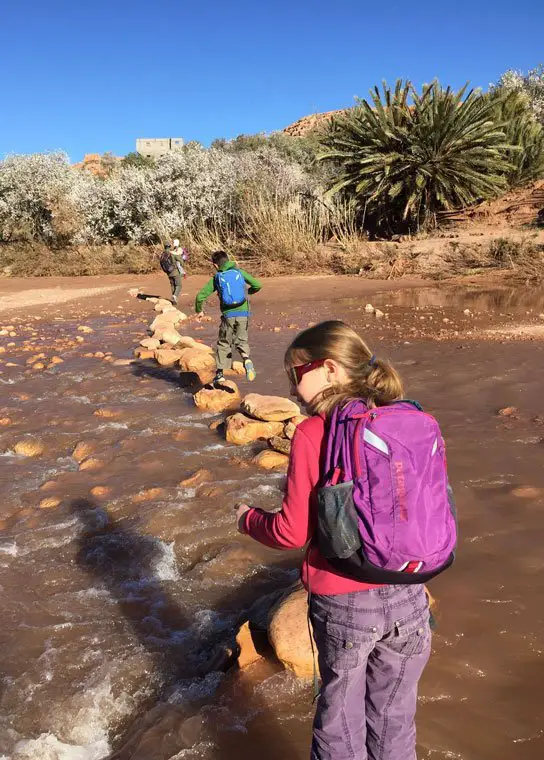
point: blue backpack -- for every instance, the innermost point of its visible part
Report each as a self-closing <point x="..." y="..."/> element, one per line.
<point x="231" y="288"/>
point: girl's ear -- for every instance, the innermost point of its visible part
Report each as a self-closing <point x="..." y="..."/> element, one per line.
<point x="331" y="368"/>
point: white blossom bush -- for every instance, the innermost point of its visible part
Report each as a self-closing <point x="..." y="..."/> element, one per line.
<point x="36" y="197"/>
<point x="531" y="84"/>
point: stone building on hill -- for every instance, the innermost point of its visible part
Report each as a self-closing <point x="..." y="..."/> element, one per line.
<point x="152" y="147"/>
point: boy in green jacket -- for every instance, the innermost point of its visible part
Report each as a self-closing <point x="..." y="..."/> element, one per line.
<point x="230" y="285"/>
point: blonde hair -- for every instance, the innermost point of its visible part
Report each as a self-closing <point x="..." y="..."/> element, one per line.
<point x="374" y="380"/>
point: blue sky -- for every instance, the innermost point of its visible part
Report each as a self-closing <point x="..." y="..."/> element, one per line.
<point x="89" y="77"/>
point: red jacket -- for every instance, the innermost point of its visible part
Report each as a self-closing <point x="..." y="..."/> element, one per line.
<point x="295" y="525"/>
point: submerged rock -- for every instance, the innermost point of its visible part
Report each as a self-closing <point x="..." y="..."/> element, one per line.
<point x="269" y="408"/>
<point x="271" y="460"/>
<point x="29" y="447"/>
<point x="241" y="430"/>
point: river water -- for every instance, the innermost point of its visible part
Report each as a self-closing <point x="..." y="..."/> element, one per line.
<point x="120" y="606"/>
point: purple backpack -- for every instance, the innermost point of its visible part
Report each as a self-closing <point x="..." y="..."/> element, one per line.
<point x="385" y="511"/>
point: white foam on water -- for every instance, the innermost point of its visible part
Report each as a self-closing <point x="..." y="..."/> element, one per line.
<point x="194" y="690"/>
<point x="48" y="747"/>
<point x="165" y="567"/>
<point x="7" y="382"/>
<point x="112" y="426"/>
<point x="10" y="549"/>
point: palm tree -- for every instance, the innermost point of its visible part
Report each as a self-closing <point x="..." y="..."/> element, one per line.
<point x="406" y="156"/>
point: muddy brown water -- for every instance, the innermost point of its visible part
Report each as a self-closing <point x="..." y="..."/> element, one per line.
<point x="117" y="609"/>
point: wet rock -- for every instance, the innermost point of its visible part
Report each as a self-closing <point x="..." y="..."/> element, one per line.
<point x="467" y="312"/>
<point x="269" y="408"/>
<point x="122" y="362"/>
<point x="167" y="357"/>
<point x="145" y="353"/>
<point x="50" y="502"/>
<point x="215" y="425"/>
<point x="378" y="313"/>
<point x="107" y="414"/>
<point x="218" y="400"/>
<point x="369" y="308"/>
<point x="56" y="360"/>
<point x="85" y="329"/>
<point x="180" y="435"/>
<point x="83" y="450"/>
<point x="209" y="491"/>
<point x="281" y="445"/>
<point x="29" y="447"/>
<point x="5" y="421"/>
<point x="271" y="460"/>
<point x="241" y="430"/>
<point x="288" y="634"/>
<point x="291" y="426"/>
<point x="197" y="478"/>
<point x="508" y="411"/>
<point x="48" y="485"/>
<point x="238" y="369"/>
<point x="247" y="651"/>
<point x="148" y="494"/>
<point x="150" y="343"/>
<point x="38" y="366"/>
<point x="527" y="492"/>
<point x="100" y="491"/>
<point x="91" y="463"/>
<point x="195" y="360"/>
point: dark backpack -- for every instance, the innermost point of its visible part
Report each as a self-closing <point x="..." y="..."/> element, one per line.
<point x="231" y="288"/>
<point x="167" y="263"/>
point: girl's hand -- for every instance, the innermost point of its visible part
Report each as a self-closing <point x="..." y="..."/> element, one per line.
<point x="241" y="510"/>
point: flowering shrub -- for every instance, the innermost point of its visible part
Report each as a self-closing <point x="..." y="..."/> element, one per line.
<point x="531" y="84"/>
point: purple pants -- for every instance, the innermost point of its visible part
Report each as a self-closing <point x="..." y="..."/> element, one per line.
<point x="372" y="649"/>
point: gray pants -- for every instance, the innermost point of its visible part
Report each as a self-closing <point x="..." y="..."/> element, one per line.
<point x="233" y="334"/>
<point x="175" y="284"/>
<point x="373" y="646"/>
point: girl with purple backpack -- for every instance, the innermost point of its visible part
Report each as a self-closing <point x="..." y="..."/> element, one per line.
<point x="367" y="490"/>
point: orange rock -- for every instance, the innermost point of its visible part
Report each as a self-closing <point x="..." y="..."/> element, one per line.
<point x="91" y="464"/>
<point x="50" y="502"/>
<point x="48" y="485"/>
<point x="240" y="429"/>
<point x="248" y="654"/>
<point x="180" y="435"/>
<point x="100" y="491"/>
<point x="82" y="451"/>
<point x="218" y="400"/>
<point x="5" y="421"/>
<point x="527" y="492"/>
<point x="108" y="414"/>
<point x="29" y="447"/>
<point x="167" y="357"/>
<point x="507" y="411"/>
<point x="195" y="360"/>
<point x="198" y="477"/>
<point x="271" y="460"/>
<point x="209" y="491"/>
<point x="144" y="353"/>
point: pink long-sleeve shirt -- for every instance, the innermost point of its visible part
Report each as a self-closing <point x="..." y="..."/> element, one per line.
<point x="295" y="525"/>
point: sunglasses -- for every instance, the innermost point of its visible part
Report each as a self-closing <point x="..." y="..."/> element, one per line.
<point x="297" y="373"/>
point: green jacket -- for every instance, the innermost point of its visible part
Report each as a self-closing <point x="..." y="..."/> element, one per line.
<point x="209" y="288"/>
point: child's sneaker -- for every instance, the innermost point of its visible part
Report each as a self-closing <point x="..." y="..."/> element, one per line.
<point x="250" y="370"/>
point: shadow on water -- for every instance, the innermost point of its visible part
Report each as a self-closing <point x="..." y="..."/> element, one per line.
<point x="187" y="381"/>
<point x="126" y="564"/>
